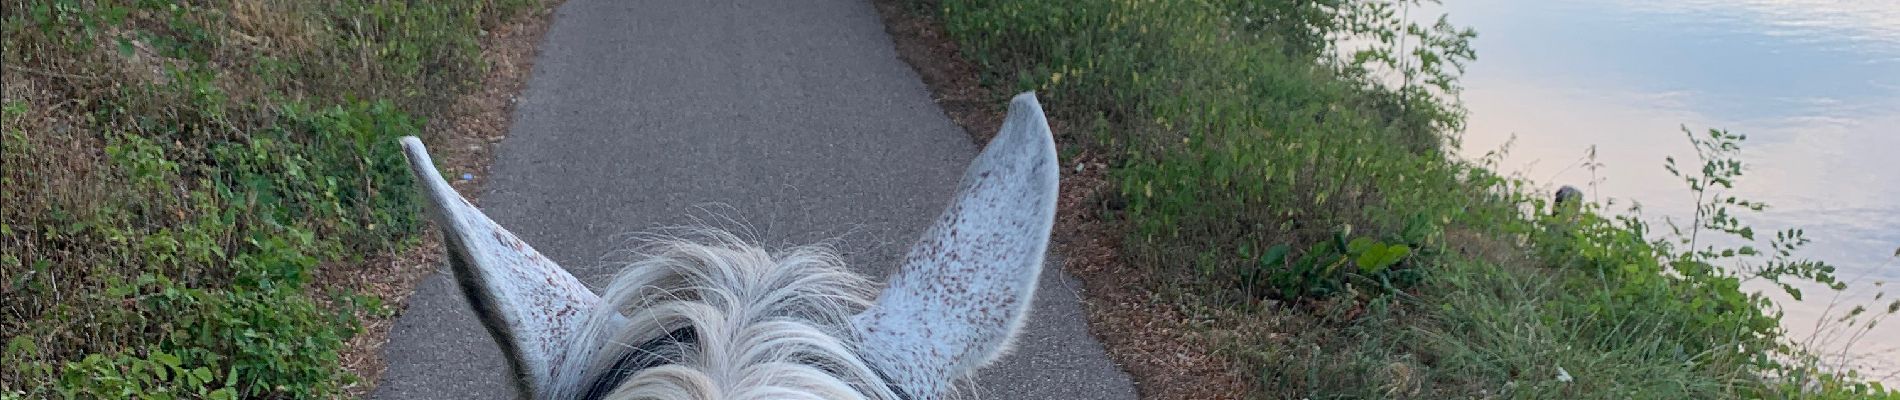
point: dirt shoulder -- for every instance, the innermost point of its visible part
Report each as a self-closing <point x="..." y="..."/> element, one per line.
<point x="462" y="142"/>
<point x="1149" y="336"/>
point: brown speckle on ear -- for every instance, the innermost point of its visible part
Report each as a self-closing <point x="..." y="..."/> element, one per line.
<point x="530" y="305"/>
<point x="966" y="286"/>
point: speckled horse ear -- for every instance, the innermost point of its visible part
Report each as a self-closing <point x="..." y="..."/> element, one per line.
<point x="966" y="286"/>
<point x="532" y="306"/>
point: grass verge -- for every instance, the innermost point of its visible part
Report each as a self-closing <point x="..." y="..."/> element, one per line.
<point x="180" y="178"/>
<point x="1295" y="217"/>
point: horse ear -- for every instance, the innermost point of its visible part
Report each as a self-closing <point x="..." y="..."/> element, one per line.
<point x="531" y="306"/>
<point x="965" y="288"/>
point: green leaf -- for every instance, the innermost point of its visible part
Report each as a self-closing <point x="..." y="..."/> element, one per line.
<point x="1360" y="245"/>
<point x="1339" y="238"/>
<point x="1276" y="254"/>
<point x="1379" y="257"/>
<point x="1398" y="252"/>
<point x="165" y="359"/>
<point x="1369" y="262"/>
<point x="163" y="373"/>
<point x="125" y="48"/>
<point x="203" y="374"/>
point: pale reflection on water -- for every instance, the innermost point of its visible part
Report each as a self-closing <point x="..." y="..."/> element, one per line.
<point x="1815" y="84"/>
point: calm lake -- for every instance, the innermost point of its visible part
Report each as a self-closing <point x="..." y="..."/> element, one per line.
<point x="1815" y="84"/>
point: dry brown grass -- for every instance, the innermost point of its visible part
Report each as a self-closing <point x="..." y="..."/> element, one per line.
<point x="65" y="170"/>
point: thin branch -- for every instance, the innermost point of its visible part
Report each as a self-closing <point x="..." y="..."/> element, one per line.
<point x="51" y="73"/>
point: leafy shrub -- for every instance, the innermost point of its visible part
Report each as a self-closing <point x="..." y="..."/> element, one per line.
<point x="161" y="376"/>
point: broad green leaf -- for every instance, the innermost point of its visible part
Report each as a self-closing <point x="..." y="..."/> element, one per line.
<point x="1369" y="262"/>
<point x="203" y="374"/>
<point x="1398" y="252"/>
<point x="1276" y="254"/>
<point x="165" y="359"/>
<point x="1360" y="245"/>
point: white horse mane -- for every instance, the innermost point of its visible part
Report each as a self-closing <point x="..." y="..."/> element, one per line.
<point x="718" y="318"/>
<point x="766" y="325"/>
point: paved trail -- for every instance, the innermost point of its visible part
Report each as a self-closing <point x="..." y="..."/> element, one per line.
<point x="794" y="117"/>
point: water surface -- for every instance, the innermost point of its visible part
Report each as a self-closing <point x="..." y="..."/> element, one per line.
<point x="1815" y="84"/>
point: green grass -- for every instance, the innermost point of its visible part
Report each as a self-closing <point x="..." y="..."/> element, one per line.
<point x="178" y="174"/>
<point x="1266" y="180"/>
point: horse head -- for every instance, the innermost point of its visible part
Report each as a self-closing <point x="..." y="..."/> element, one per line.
<point x="723" y="319"/>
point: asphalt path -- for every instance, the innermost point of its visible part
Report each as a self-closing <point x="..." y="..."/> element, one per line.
<point x="792" y="121"/>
